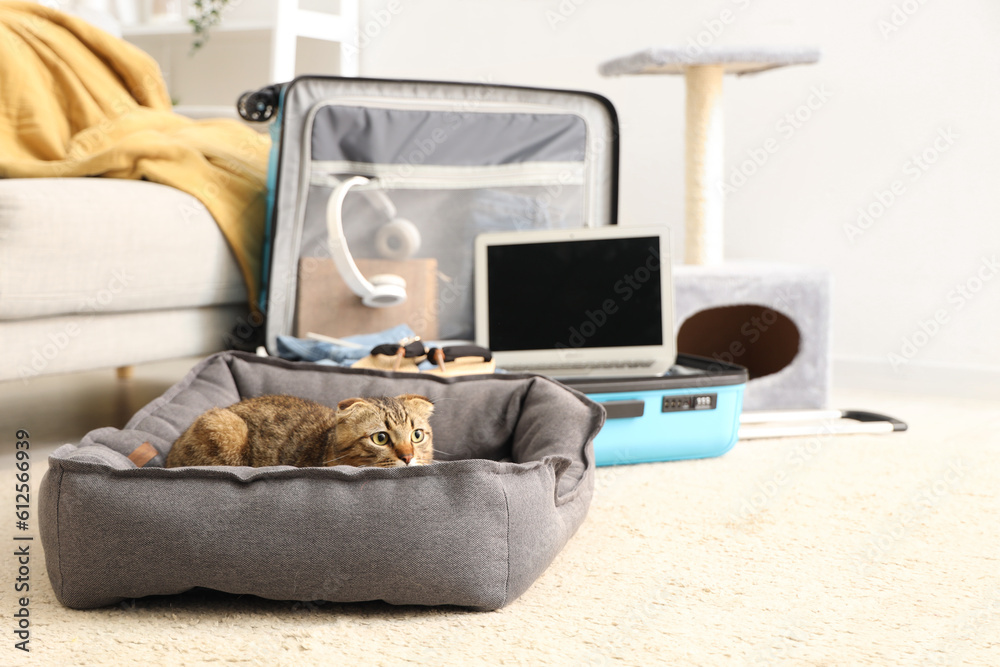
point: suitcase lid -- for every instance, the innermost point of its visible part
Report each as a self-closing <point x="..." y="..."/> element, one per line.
<point x="417" y="135"/>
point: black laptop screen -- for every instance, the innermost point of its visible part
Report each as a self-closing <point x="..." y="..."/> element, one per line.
<point x="575" y="294"/>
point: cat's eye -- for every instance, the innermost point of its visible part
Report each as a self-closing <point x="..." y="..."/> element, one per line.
<point x="417" y="436"/>
<point x="380" y="438"/>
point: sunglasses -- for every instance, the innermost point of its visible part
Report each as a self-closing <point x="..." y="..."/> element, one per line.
<point x="438" y="355"/>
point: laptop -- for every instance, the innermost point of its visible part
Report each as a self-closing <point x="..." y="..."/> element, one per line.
<point x="572" y="303"/>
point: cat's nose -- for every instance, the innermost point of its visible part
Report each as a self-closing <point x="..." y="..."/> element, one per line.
<point x="406" y="458"/>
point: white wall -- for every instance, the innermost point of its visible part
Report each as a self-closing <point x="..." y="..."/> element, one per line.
<point x="887" y="95"/>
<point x="888" y="98"/>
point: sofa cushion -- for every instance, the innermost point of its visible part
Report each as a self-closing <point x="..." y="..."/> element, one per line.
<point x="69" y="343"/>
<point x="93" y="245"/>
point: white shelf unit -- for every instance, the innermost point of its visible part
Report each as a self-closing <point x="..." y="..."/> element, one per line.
<point x="163" y="29"/>
<point x="277" y="23"/>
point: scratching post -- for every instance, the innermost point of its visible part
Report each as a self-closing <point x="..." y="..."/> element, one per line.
<point x="770" y="318"/>
<point x="703" y="70"/>
<point x="704" y="165"/>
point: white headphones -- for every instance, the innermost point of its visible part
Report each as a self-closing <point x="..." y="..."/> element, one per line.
<point x="397" y="239"/>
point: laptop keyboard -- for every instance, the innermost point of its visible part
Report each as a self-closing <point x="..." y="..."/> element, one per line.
<point x="634" y="363"/>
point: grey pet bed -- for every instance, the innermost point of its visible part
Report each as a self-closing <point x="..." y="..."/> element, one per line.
<point x="471" y="530"/>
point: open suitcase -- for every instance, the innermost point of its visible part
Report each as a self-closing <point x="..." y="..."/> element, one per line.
<point x="438" y="164"/>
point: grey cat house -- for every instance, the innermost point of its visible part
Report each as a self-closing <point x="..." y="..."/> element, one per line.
<point x="512" y="481"/>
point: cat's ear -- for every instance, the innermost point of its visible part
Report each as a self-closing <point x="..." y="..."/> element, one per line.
<point x="421" y="405"/>
<point x="349" y="402"/>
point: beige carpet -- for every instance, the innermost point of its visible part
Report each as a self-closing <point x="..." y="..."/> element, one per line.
<point x="842" y="550"/>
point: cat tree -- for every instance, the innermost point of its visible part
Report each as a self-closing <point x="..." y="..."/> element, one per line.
<point x="772" y="319"/>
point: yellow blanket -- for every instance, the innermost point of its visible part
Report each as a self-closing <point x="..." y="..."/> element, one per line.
<point x="76" y="101"/>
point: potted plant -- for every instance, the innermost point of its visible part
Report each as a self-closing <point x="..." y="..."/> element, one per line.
<point x="207" y="14"/>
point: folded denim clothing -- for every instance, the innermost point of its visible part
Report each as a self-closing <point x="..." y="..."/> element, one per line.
<point x="324" y="352"/>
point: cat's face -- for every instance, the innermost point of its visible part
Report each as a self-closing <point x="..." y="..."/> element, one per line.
<point x="383" y="432"/>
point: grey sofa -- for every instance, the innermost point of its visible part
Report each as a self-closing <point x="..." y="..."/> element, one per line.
<point x="102" y="273"/>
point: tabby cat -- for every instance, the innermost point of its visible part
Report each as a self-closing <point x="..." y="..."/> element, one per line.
<point x="275" y="430"/>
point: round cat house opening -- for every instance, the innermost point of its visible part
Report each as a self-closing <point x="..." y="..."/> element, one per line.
<point x="759" y="338"/>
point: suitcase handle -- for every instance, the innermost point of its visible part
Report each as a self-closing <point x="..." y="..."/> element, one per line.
<point x="781" y="423"/>
<point x="861" y="416"/>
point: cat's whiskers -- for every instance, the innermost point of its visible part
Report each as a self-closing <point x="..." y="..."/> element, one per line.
<point x="337" y="458"/>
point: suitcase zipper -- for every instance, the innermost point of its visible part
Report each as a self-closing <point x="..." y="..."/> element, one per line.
<point x="428" y="104"/>
<point x="474" y="106"/>
<point x="437" y="177"/>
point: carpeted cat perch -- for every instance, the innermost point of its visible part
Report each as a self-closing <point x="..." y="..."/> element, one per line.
<point x="703" y="73"/>
<point x="772" y="319"/>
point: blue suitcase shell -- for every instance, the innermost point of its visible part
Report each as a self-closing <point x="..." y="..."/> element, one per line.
<point x="691" y="412"/>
